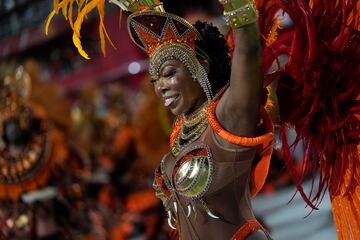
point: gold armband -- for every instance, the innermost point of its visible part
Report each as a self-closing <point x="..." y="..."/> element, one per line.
<point x="239" y="13"/>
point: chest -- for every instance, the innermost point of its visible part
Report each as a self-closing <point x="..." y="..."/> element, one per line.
<point x="191" y="173"/>
<point x="203" y="167"/>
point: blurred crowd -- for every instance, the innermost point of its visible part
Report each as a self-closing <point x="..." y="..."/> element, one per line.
<point x="78" y="166"/>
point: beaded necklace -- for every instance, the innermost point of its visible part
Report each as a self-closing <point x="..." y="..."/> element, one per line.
<point x="188" y="128"/>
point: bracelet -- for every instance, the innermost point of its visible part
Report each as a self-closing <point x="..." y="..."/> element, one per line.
<point x="223" y="2"/>
<point x="231" y="5"/>
<point x="139" y="5"/>
<point x="241" y="16"/>
<point x="239" y="13"/>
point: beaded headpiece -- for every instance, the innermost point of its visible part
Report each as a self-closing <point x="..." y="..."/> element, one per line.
<point x="162" y="35"/>
<point x="165" y="36"/>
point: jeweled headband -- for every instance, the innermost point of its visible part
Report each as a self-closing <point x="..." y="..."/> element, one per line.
<point x="165" y="36"/>
<point x="158" y="32"/>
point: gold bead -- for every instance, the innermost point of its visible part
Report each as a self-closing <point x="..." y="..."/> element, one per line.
<point x="245" y="17"/>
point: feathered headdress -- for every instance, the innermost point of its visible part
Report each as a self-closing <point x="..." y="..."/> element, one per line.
<point x="162" y="35"/>
<point x="146" y="33"/>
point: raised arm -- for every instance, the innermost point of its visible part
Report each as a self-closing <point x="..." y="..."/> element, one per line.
<point x="238" y="109"/>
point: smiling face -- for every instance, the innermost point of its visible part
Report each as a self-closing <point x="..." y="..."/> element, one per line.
<point x="180" y="93"/>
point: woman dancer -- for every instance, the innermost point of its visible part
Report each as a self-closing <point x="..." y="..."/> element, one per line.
<point x="312" y="92"/>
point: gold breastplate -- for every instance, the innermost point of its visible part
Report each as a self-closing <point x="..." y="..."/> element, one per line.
<point x="192" y="174"/>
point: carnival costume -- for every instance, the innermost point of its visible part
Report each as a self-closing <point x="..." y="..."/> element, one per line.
<point x="32" y="152"/>
<point x="198" y="176"/>
<point x="30" y="169"/>
<point x="318" y="90"/>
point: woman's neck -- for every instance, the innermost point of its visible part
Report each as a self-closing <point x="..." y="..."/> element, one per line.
<point x="196" y="108"/>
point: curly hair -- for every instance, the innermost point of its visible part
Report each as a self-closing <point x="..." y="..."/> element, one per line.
<point x="214" y="45"/>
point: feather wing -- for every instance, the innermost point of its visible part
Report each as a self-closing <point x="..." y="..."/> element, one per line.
<point x="318" y="90"/>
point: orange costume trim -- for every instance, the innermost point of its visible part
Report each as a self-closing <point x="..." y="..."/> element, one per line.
<point x="57" y="154"/>
<point x="176" y="130"/>
<point x="263" y="143"/>
<point x="14" y="191"/>
<point x="244" y="141"/>
<point x="38" y="178"/>
<point x="246" y="229"/>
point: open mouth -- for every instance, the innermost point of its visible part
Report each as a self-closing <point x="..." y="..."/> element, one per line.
<point x="170" y="100"/>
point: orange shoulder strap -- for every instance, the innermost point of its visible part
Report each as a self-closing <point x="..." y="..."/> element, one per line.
<point x="245" y="230"/>
<point x="264" y="145"/>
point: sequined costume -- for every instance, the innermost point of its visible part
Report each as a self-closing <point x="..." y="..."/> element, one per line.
<point x="201" y="183"/>
<point x="318" y="91"/>
<point x="193" y="180"/>
<point x="193" y="170"/>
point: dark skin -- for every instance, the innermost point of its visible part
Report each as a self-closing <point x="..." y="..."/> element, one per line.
<point x="175" y="83"/>
<point x="237" y="110"/>
<point x="241" y="101"/>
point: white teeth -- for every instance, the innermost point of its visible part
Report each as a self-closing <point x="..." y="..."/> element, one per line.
<point x="169" y="101"/>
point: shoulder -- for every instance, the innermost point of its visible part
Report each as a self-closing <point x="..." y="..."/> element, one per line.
<point x="233" y="118"/>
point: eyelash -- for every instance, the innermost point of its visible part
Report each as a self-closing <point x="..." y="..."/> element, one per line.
<point x="172" y="73"/>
